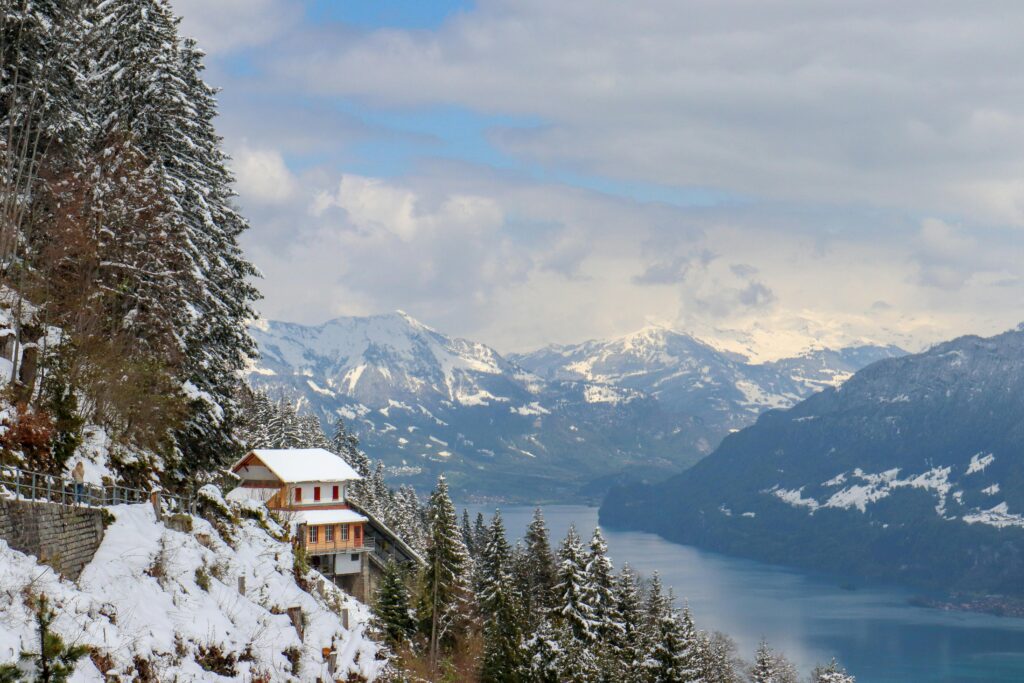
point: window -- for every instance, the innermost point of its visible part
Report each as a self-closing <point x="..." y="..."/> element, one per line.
<point x="334" y="492"/>
<point x="298" y="494"/>
<point x="344" y="532"/>
<point x="316" y="493"/>
<point x="313" y="534"/>
<point x="329" y="533"/>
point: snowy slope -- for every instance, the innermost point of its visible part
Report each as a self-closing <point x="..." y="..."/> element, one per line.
<point x="911" y="469"/>
<point x="534" y="426"/>
<point x="138" y="600"/>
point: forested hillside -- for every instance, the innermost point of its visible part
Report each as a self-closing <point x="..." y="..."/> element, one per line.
<point x="118" y="238"/>
<point x="910" y="471"/>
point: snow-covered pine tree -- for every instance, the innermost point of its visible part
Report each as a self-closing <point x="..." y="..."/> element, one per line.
<point x="393" y="609"/>
<point x="831" y="673"/>
<point x="574" y="608"/>
<point x="540" y="654"/>
<point x="479" y="531"/>
<point x="346" y="445"/>
<point x="601" y="580"/>
<point x="672" y="639"/>
<point x="147" y="84"/>
<point x="500" y="606"/>
<point x="629" y="646"/>
<point x="537" y="570"/>
<point x="467" y="534"/>
<point x="443" y="596"/>
<point x="715" y="658"/>
<point x="764" y="670"/>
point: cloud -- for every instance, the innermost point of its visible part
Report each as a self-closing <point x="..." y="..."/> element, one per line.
<point x="223" y="26"/>
<point x="776" y="167"/>
<point x="895" y="105"/>
<point x="262" y="176"/>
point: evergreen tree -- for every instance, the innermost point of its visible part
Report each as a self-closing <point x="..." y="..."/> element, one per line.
<point x="346" y="445"/>
<point x="574" y="606"/>
<point x="714" y="658"/>
<point x="467" y="535"/>
<point x="537" y="570"/>
<point x="832" y="673"/>
<point x="443" y="587"/>
<point x="764" y="665"/>
<point x="499" y="603"/>
<point x="672" y="638"/>
<point x="479" y="531"/>
<point x="629" y="644"/>
<point x="601" y="579"/>
<point x="541" y="655"/>
<point x="393" y="610"/>
<point x="55" y="661"/>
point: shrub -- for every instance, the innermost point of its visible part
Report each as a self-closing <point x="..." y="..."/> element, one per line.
<point x="215" y="660"/>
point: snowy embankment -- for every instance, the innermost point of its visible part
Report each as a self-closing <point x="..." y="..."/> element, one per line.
<point x="161" y="604"/>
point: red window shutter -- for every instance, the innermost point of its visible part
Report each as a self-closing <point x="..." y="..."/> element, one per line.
<point x="316" y="493"/>
<point x="334" y="493"/>
<point x="298" y="494"/>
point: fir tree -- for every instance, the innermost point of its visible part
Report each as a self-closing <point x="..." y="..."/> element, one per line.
<point x="672" y="638"/>
<point x="629" y="644"/>
<point x="55" y="661"/>
<point x="393" y="609"/>
<point x="601" y="580"/>
<point x="537" y="571"/>
<point x="444" y="590"/>
<point x="764" y="665"/>
<point x="467" y="534"/>
<point x="832" y="673"/>
<point x="573" y="593"/>
<point x="714" y="658"/>
<point x="499" y="603"/>
<point x="541" y="655"/>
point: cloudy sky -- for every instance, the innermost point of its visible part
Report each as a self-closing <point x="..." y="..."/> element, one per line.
<point x="525" y="171"/>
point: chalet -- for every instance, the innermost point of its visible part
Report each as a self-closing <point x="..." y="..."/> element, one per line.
<point x="309" y="490"/>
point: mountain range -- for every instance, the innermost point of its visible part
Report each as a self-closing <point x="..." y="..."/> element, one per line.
<point x="561" y="423"/>
<point x="912" y="470"/>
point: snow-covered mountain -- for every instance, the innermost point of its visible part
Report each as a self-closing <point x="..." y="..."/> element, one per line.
<point x="912" y="469"/>
<point x="531" y="426"/>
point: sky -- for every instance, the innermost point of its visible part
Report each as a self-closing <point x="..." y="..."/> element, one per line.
<point x="523" y="172"/>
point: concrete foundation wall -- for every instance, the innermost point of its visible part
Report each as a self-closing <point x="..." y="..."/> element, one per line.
<point x="65" y="538"/>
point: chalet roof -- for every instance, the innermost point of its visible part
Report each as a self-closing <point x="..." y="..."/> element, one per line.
<point x="295" y="465"/>
<point x="330" y="516"/>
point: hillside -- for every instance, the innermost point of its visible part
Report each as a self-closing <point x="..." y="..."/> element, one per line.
<point x="560" y="423"/>
<point x="911" y="470"/>
<point x="145" y="611"/>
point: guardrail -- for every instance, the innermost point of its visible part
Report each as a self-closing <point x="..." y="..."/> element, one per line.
<point x="52" y="488"/>
<point x="324" y="548"/>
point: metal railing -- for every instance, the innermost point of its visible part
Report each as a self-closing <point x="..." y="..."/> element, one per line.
<point x="53" y="488"/>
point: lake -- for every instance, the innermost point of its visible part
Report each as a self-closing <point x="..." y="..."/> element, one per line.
<point x="872" y="630"/>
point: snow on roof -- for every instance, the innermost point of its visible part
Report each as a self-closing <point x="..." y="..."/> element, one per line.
<point x="293" y="465"/>
<point x="326" y="517"/>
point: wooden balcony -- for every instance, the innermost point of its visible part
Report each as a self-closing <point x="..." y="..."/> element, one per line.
<point x="337" y="546"/>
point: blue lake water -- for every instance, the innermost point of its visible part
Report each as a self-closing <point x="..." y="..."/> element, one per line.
<point x="872" y="630"/>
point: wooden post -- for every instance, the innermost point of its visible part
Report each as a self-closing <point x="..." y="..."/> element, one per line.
<point x="241" y="585"/>
<point x="154" y="498"/>
<point x="344" y="618"/>
<point x="295" y="614"/>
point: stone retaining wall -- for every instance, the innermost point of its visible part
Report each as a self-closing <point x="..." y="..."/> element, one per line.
<point x="63" y="537"/>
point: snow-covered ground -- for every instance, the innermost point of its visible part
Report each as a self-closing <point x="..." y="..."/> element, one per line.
<point x="140" y="599"/>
